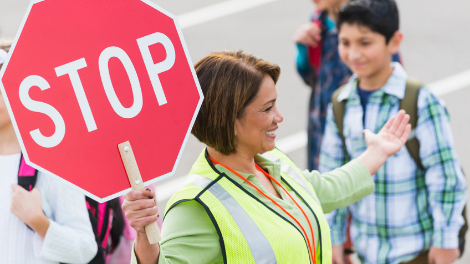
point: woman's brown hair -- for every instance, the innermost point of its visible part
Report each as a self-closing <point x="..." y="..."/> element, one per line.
<point x="230" y="81"/>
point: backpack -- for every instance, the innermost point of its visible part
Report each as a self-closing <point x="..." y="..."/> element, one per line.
<point x="314" y="54"/>
<point x="409" y="103"/>
<point x="106" y="219"/>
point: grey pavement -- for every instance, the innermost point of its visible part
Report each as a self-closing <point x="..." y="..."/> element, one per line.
<point x="434" y="47"/>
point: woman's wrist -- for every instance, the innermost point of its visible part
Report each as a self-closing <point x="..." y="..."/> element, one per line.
<point x="373" y="158"/>
<point x="144" y="251"/>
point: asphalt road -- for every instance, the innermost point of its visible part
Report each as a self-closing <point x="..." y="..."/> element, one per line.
<point x="434" y="47"/>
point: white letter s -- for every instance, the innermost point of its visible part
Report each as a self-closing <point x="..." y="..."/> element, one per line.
<point x="40" y="107"/>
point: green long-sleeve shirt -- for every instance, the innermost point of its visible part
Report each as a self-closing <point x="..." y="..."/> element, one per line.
<point x="188" y="235"/>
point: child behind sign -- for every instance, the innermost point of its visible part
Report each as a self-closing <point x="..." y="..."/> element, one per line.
<point x="48" y="224"/>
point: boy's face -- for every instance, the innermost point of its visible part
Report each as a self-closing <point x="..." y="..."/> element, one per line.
<point x="364" y="51"/>
<point x="328" y="4"/>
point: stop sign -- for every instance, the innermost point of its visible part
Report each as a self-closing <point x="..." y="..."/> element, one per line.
<point x="84" y="76"/>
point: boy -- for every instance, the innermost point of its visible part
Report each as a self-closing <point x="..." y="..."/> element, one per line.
<point x="415" y="213"/>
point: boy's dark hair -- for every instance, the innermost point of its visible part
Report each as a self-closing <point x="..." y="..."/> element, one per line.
<point x="380" y="16"/>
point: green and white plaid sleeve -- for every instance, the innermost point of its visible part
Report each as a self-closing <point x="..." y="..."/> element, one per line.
<point x="445" y="182"/>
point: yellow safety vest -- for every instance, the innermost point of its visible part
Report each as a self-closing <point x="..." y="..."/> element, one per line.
<point x="250" y="231"/>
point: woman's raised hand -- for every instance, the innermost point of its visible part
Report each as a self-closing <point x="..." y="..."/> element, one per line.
<point x="393" y="135"/>
<point x="140" y="208"/>
<point x="387" y="142"/>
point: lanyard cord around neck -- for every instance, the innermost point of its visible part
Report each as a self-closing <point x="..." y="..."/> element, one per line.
<point x="278" y="205"/>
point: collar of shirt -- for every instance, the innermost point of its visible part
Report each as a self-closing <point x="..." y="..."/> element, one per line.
<point x="274" y="169"/>
<point x="395" y="84"/>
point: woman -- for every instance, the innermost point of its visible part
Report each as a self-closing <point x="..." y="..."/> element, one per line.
<point x="242" y="207"/>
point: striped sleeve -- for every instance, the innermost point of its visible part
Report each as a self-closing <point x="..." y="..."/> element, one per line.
<point x="445" y="182"/>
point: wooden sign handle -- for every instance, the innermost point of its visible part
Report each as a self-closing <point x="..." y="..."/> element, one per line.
<point x="152" y="230"/>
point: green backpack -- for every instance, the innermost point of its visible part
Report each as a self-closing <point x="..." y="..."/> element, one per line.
<point x="409" y="103"/>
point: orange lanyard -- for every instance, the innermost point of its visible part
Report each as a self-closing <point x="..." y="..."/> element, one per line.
<point x="278" y="205"/>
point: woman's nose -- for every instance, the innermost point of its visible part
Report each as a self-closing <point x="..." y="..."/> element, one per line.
<point x="278" y="118"/>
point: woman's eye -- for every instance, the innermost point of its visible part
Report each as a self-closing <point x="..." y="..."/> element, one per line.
<point x="365" y="43"/>
<point x="268" y="109"/>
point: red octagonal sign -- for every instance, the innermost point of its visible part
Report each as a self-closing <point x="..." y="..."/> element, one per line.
<point x="86" y="75"/>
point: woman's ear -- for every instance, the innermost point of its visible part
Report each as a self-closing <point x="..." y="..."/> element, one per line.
<point x="237" y="126"/>
<point x="395" y="41"/>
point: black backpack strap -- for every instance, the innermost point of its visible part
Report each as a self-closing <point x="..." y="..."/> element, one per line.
<point x="409" y="103"/>
<point x="93" y="215"/>
<point x="27" y="176"/>
<point x="118" y="224"/>
<point x="105" y="224"/>
<point x="339" y="109"/>
<point x="112" y="210"/>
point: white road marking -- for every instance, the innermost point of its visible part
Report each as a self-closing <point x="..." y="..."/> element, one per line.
<point x="292" y="142"/>
<point x="216" y="11"/>
<point x="450" y="84"/>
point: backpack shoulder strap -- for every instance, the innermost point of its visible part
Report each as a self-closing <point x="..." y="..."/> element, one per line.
<point x="27" y="175"/>
<point x="339" y="109"/>
<point x="409" y="103"/>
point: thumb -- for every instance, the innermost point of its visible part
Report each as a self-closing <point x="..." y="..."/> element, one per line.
<point x="430" y="257"/>
<point x="35" y="190"/>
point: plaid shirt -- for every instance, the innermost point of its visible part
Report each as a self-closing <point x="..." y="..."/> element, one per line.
<point x="324" y="81"/>
<point x="410" y="209"/>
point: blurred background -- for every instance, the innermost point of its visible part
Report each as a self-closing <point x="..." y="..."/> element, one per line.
<point x="434" y="50"/>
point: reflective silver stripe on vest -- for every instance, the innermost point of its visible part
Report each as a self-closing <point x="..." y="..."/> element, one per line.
<point x="298" y="179"/>
<point x="259" y="245"/>
<point x="198" y="180"/>
<point x="286" y="168"/>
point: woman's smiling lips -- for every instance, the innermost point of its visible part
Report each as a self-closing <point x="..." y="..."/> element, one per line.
<point x="272" y="132"/>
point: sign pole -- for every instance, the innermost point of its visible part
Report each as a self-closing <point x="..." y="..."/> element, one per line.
<point x="152" y="230"/>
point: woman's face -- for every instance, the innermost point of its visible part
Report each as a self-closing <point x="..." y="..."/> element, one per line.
<point x="255" y="131"/>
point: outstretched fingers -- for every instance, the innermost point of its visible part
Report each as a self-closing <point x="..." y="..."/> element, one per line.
<point x="402" y="125"/>
<point x="397" y="121"/>
<point x="406" y="134"/>
<point x="388" y="124"/>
